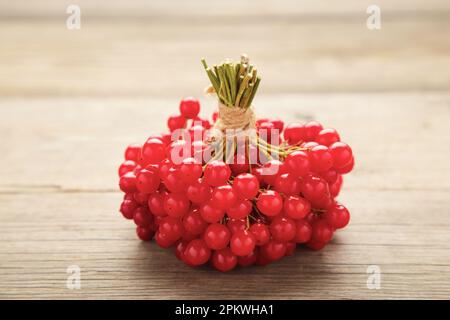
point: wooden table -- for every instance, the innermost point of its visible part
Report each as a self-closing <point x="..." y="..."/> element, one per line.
<point x="70" y="101"/>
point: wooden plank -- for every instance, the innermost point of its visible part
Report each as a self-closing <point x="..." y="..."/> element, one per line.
<point x="127" y="57"/>
<point x="59" y="202"/>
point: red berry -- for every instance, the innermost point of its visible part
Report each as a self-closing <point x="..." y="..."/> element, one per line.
<point x="210" y="213"/>
<point x="164" y="168"/>
<point x="145" y="234"/>
<point x="312" y="129"/>
<point x="290" y="248"/>
<point x="189" y="107"/>
<point x="315" y="189"/>
<point x="197" y="121"/>
<point x="246" y="185"/>
<point x="261" y="233"/>
<point x="171" y="227"/>
<point x="320" y="158"/>
<point x="337" y="216"/>
<point x="156" y="204"/>
<point x="322" y="231"/>
<point x="217" y="236"/>
<point x="126" y="166"/>
<point x="147" y="181"/>
<point x="236" y="225"/>
<point x="329" y="176"/>
<point x="180" y="247"/>
<point x="335" y="188"/>
<point x="242" y="243"/>
<point x="296" y="207"/>
<point x="194" y="223"/>
<point x="224" y="260"/>
<point x="240" y="164"/>
<point x="153" y="152"/>
<point x="241" y="209"/>
<point x="297" y="163"/>
<point x="199" y="191"/>
<point x="127" y="183"/>
<point x="303" y="231"/>
<point x="287" y="184"/>
<point x="269" y="203"/>
<point x="176" y="122"/>
<point x="294" y="133"/>
<point x="176" y="204"/>
<point x="163" y="240"/>
<point x="278" y="125"/>
<point x="315" y="245"/>
<point x="142" y="217"/>
<point x="327" y="137"/>
<point x="342" y="154"/>
<point x="215" y="116"/>
<point x="173" y="181"/>
<point x="248" y="260"/>
<point x="141" y="198"/>
<point x="133" y="152"/>
<point x="217" y="173"/>
<point x="224" y="197"/>
<point x="197" y="252"/>
<point x="190" y="170"/>
<point x="347" y="168"/>
<point x="127" y="208"/>
<point x="283" y="229"/>
<point x="274" y="250"/>
<point x="271" y="170"/>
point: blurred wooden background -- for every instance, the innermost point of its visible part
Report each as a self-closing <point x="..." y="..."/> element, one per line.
<point x="70" y="101"/>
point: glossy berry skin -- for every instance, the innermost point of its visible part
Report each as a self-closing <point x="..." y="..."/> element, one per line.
<point x="240" y="165"/>
<point x="297" y="163"/>
<point x="342" y="154"/>
<point x="303" y="231"/>
<point x="197" y="252"/>
<point x="335" y="187"/>
<point x="224" y="197"/>
<point x="156" y="204"/>
<point x="127" y="183"/>
<point x="312" y="129"/>
<point x="217" y="173"/>
<point x="261" y="233"/>
<point x="246" y="186"/>
<point x="145" y="234"/>
<point x="242" y="243"/>
<point x="224" y="260"/>
<point x="283" y="229"/>
<point x="315" y="245"/>
<point x="180" y="247"/>
<point x="271" y="170"/>
<point x="322" y="231"/>
<point x="315" y="189"/>
<point x="189" y="107"/>
<point x="320" y="158"/>
<point x="153" y="152"/>
<point x="337" y="216"/>
<point x="190" y="170"/>
<point x="287" y="184"/>
<point x="347" y="168"/>
<point x="241" y="209"/>
<point x="199" y="191"/>
<point x="290" y="248"/>
<point x="171" y="227"/>
<point x="194" y="223"/>
<point x="236" y="225"/>
<point x="173" y="181"/>
<point x="248" y="260"/>
<point x="217" y="236"/>
<point x="294" y="133"/>
<point x="296" y="207"/>
<point x="210" y="213"/>
<point x="274" y="250"/>
<point x="327" y="137"/>
<point x="163" y="240"/>
<point x="147" y="181"/>
<point x="126" y="166"/>
<point x="278" y="124"/>
<point x="176" y="205"/>
<point x="142" y="217"/>
<point x="269" y="203"/>
<point x="127" y="208"/>
<point x="176" y="122"/>
<point x="133" y="152"/>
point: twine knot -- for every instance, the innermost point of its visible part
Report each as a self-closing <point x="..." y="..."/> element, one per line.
<point x="235" y="118"/>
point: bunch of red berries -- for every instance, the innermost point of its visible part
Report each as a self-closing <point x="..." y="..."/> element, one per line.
<point x="230" y="211"/>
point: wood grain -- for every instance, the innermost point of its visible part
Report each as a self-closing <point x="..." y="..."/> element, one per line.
<point x="59" y="203"/>
<point x="70" y="101"/>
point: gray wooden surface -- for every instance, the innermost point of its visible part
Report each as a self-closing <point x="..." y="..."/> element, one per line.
<point x="70" y="101"/>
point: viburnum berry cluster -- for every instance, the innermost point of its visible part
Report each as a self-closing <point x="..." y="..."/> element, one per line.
<point x="196" y="192"/>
